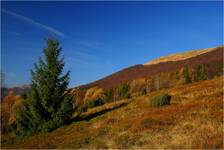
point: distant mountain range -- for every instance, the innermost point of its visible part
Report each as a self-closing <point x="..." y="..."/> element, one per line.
<point x="18" y="90"/>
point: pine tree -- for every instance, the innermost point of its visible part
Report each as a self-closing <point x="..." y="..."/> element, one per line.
<point x="186" y="75"/>
<point x="49" y="104"/>
<point x="201" y="73"/>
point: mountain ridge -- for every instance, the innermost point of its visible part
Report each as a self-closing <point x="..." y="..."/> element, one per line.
<point x="214" y="56"/>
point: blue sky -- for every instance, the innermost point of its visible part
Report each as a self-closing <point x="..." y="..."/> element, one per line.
<point x="100" y="38"/>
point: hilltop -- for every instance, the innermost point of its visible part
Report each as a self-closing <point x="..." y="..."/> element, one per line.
<point x="180" y="56"/>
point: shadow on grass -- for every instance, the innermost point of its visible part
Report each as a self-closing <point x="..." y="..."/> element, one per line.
<point x="87" y="117"/>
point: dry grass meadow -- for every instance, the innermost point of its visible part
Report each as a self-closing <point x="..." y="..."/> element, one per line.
<point x="193" y="120"/>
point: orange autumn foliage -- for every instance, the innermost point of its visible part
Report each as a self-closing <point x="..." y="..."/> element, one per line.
<point x="9" y="106"/>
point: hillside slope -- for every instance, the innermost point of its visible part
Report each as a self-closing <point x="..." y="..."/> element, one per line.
<point x="212" y="58"/>
<point x="193" y="120"/>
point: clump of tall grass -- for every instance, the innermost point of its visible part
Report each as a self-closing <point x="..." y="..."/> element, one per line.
<point x="159" y="100"/>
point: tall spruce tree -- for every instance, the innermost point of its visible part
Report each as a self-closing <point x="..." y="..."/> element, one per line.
<point x="49" y="104"/>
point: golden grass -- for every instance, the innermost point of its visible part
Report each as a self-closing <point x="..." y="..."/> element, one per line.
<point x="179" y="56"/>
<point x="193" y="120"/>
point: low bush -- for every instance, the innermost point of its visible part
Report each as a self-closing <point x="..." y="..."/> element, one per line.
<point x="122" y="91"/>
<point x="201" y="73"/>
<point x="186" y="75"/>
<point x="94" y="93"/>
<point x="94" y="103"/>
<point x="90" y="104"/>
<point x="9" y="107"/>
<point x="138" y="86"/>
<point x="94" y="97"/>
<point x="160" y="100"/>
<point x="81" y="109"/>
<point x="109" y="95"/>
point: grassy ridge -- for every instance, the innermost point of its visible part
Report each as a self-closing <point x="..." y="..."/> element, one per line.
<point x="193" y="120"/>
<point x="179" y="56"/>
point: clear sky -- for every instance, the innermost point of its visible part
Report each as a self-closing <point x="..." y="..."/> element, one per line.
<point x="99" y="38"/>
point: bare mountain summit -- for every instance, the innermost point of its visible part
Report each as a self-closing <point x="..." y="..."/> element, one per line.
<point x="180" y="56"/>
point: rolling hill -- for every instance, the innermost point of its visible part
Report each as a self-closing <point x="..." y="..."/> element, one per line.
<point x="212" y="58"/>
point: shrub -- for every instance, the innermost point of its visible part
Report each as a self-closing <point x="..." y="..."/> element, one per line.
<point x="201" y="73"/>
<point x="94" y="97"/>
<point x="9" y="107"/>
<point x="186" y="75"/>
<point x="94" y="93"/>
<point x="94" y="103"/>
<point x="138" y="86"/>
<point x="78" y="96"/>
<point x="160" y="100"/>
<point x="122" y="91"/>
<point x="17" y="106"/>
<point x="109" y="95"/>
<point x="81" y="109"/>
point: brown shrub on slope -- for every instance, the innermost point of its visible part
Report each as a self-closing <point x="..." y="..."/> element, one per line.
<point x="79" y="95"/>
<point x="94" y="93"/>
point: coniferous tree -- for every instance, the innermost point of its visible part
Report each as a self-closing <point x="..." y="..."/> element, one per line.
<point x="186" y="75"/>
<point x="49" y="104"/>
<point x="201" y="73"/>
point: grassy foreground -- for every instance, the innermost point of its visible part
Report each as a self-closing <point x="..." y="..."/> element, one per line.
<point x="193" y="120"/>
